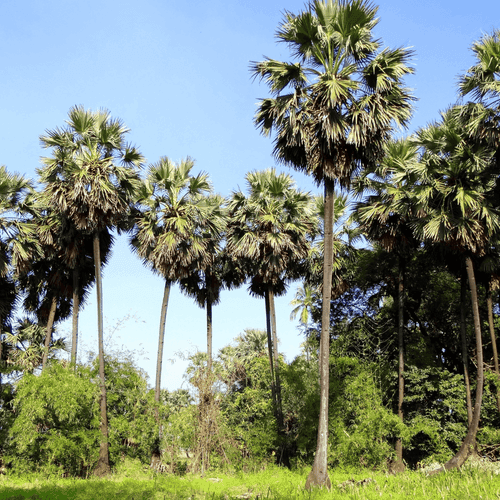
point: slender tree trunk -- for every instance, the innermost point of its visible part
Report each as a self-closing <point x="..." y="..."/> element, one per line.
<point x="274" y="335"/>
<point x="463" y="336"/>
<point x="161" y="339"/>
<point x="399" y="466"/>
<point x="156" y="456"/>
<point x="470" y="439"/>
<point x="319" y="473"/>
<point x="493" y="339"/>
<point x="48" y="334"/>
<point x="208" y="278"/>
<point x="76" y="312"/>
<point x="103" y="467"/>
<point x="209" y="335"/>
<point x="270" y="351"/>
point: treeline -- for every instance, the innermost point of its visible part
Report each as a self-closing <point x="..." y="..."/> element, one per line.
<point x="397" y="367"/>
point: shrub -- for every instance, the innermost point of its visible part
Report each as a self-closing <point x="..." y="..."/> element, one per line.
<point x="56" y="429"/>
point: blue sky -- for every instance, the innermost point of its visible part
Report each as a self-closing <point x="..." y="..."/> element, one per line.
<point x="177" y="74"/>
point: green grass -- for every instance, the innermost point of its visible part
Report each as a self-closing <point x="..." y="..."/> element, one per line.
<point x="134" y="482"/>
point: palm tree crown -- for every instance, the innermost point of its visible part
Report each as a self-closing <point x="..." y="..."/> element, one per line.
<point x="334" y="107"/>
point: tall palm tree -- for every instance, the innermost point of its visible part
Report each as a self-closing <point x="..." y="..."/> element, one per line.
<point x="91" y="179"/>
<point x="386" y="217"/>
<point x="455" y="196"/>
<point x="167" y="234"/>
<point x="482" y="83"/>
<point x="332" y="111"/>
<point x="268" y="232"/>
<point x="209" y="275"/>
<point x="12" y="189"/>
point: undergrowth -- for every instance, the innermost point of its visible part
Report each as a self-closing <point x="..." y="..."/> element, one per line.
<point x="135" y="481"/>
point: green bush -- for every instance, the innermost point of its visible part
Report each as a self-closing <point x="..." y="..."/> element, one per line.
<point x="436" y="412"/>
<point x="56" y="428"/>
<point x="362" y="429"/>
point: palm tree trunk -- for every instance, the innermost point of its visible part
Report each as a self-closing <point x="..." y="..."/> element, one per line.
<point x="470" y="439"/>
<point x="76" y="312"/>
<point x="161" y="339"/>
<point x="208" y="279"/>
<point x="209" y="335"/>
<point x="270" y="351"/>
<point x="319" y="473"/>
<point x="493" y="339"/>
<point x="48" y="334"/>
<point x="274" y="335"/>
<point x="103" y="467"/>
<point x="463" y="335"/>
<point x="401" y="366"/>
<point x="156" y="456"/>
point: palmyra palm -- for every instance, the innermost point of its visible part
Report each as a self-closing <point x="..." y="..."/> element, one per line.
<point x="331" y="112"/>
<point x="90" y="180"/>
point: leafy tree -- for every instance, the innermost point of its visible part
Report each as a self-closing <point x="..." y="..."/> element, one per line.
<point x="90" y="180"/>
<point x="332" y="111"/>
<point x="53" y="433"/>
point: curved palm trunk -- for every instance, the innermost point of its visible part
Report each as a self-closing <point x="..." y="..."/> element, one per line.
<point x="463" y="336"/>
<point x="493" y="339"/>
<point x="319" y="474"/>
<point x="48" y="334"/>
<point x="103" y="467"/>
<point x="161" y="340"/>
<point x="76" y="312"/>
<point x="270" y="351"/>
<point x="470" y="439"/>
<point x="401" y="382"/>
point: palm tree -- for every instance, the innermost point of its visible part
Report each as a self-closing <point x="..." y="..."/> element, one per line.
<point x="12" y="188"/>
<point x="90" y="180"/>
<point x="386" y="217"/>
<point x="304" y="301"/>
<point x="332" y="111"/>
<point x="167" y="235"/>
<point x="25" y="346"/>
<point x="208" y="276"/>
<point x="482" y="83"/>
<point x="456" y="198"/>
<point x="268" y="232"/>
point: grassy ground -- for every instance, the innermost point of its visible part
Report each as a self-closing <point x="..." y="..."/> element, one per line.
<point x="132" y="482"/>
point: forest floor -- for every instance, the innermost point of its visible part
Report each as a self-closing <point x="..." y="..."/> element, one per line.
<point x="136" y="482"/>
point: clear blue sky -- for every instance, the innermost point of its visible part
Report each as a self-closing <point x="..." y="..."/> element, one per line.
<point x="177" y="74"/>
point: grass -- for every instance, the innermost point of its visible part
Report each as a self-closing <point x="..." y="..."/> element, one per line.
<point x="133" y="482"/>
